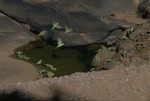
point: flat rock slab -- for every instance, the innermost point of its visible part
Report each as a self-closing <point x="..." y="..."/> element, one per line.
<point x="13" y="35"/>
<point x="91" y="21"/>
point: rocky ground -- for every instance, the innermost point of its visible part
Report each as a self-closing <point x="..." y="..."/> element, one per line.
<point x="124" y="48"/>
<point x="124" y="61"/>
<point x="12" y="35"/>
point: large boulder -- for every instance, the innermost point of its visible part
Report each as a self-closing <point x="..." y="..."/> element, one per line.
<point x="91" y="21"/>
<point x="13" y="35"/>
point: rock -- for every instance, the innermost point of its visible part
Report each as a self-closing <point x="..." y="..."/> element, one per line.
<point x="144" y="8"/>
<point x="142" y="57"/>
<point x="102" y="57"/>
<point x="129" y="83"/>
<point x="125" y="47"/>
<point x="13" y="35"/>
<point x="140" y="36"/>
<point x="91" y="21"/>
<point x="110" y="64"/>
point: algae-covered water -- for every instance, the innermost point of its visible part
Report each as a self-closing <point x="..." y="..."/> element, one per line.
<point x="67" y="60"/>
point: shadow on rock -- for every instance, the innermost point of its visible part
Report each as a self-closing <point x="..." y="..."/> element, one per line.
<point x="14" y="96"/>
<point x="18" y="95"/>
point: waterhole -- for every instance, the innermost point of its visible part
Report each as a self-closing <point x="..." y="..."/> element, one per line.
<point x="63" y="60"/>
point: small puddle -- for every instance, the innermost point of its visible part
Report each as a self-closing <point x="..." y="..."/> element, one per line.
<point x="66" y="60"/>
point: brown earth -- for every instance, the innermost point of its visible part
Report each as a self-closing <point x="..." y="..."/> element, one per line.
<point x="122" y="83"/>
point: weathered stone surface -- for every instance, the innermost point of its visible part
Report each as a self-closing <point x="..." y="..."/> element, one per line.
<point x="123" y="47"/>
<point x="13" y="35"/>
<point x="91" y="21"/>
<point x="144" y="8"/>
<point x="102" y="57"/>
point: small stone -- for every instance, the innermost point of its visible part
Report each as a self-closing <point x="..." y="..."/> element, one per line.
<point x="110" y="65"/>
<point x="102" y="57"/>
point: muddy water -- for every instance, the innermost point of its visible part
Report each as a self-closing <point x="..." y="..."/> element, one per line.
<point x="67" y="60"/>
